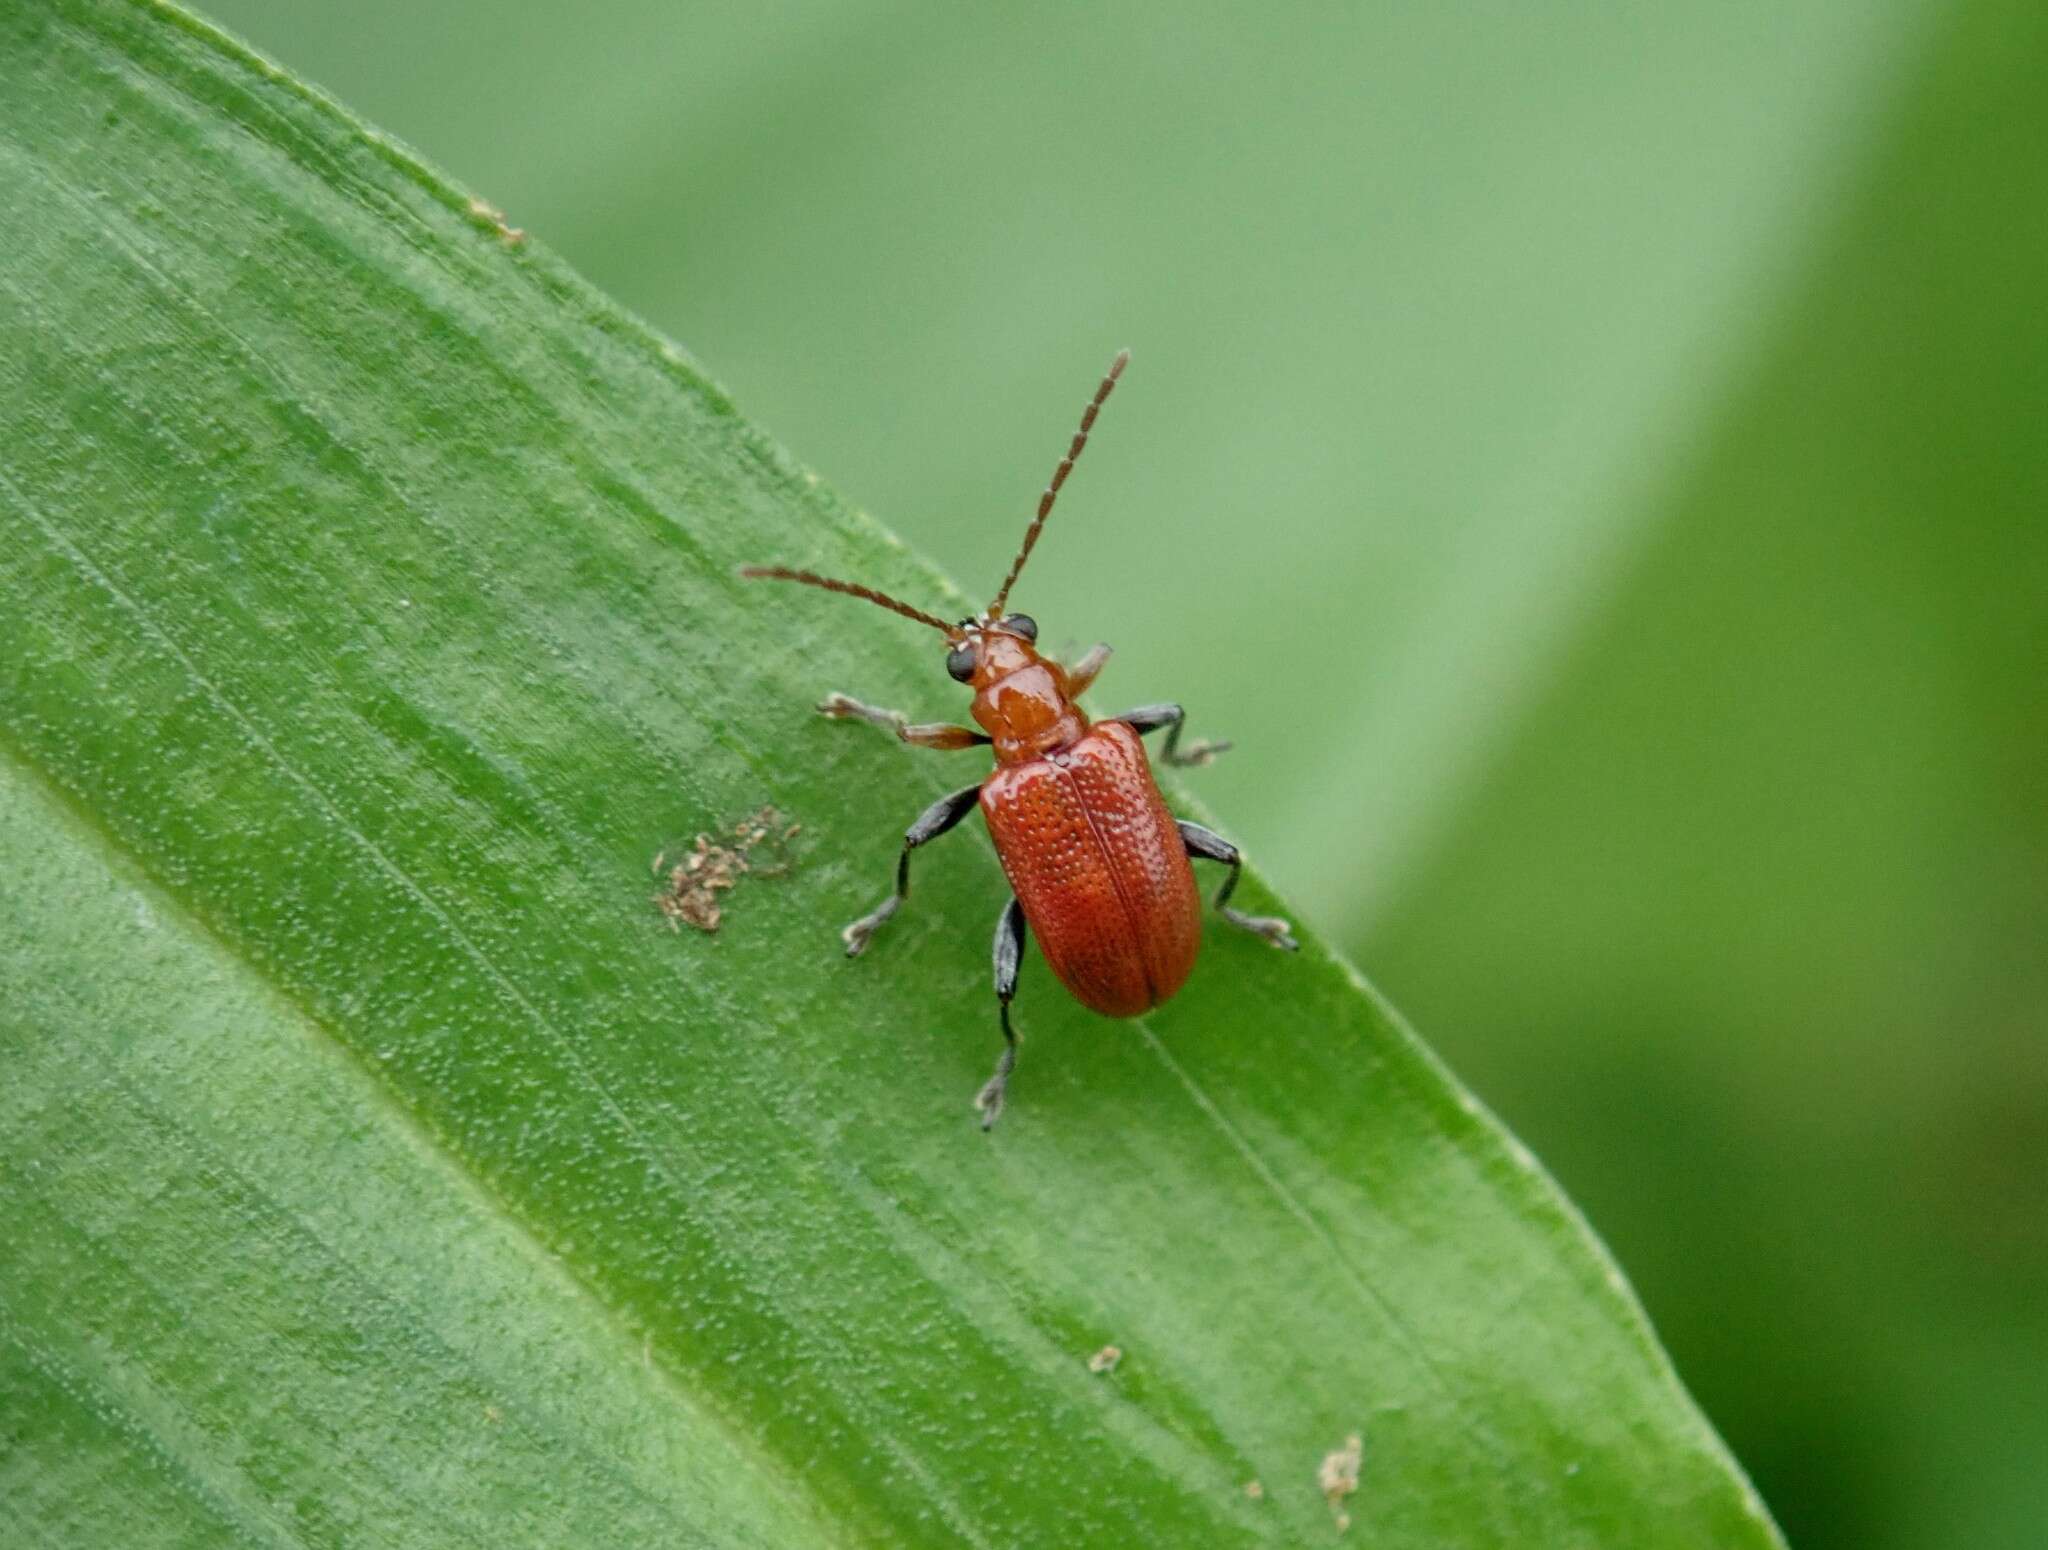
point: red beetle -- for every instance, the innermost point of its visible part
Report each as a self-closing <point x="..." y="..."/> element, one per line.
<point x="1100" y="867"/>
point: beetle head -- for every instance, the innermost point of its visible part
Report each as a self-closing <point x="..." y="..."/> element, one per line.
<point x="988" y="649"/>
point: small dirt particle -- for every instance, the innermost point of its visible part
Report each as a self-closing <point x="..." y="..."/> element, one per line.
<point x="1106" y="1359"/>
<point x="692" y="884"/>
<point x="483" y="210"/>
<point x="1338" y="1477"/>
<point x="1254" y="1490"/>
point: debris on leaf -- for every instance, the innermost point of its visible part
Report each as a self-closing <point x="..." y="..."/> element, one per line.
<point x="690" y="896"/>
<point x="692" y="884"/>
<point x="1338" y="1477"/>
<point x="766" y="830"/>
<point x="484" y="210"/>
<point x="1106" y="1359"/>
<point x="1254" y="1490"/>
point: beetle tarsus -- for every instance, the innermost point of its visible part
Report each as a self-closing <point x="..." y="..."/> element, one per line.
<point x="1150" y="718"/>
<point x="990" y="1099"/>
<point x="859" y="933"/>
<point x="1271" y="927"/>
<point x="844" y="707"/>
<point x="1196" y="754"/>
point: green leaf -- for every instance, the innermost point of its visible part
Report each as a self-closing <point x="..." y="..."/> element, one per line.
<point x="379" y="1169"/>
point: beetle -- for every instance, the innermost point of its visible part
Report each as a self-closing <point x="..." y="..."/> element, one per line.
<point x="1098" y="866"/>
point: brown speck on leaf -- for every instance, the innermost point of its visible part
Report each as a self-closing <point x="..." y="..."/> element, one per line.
<point x="691" y="886"/>
<point x="483" y="210"/>
<point x="1254" y="1490"/>
<point x="1106" y="1359"/>
<point x="1338" y="1477"/>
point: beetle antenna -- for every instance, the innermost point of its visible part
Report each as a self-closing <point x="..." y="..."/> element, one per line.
<point x="851" y="589"/>
<point x="1059" y="477"/>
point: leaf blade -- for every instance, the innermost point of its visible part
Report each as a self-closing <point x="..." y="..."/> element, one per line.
<point x="374" y="613"/>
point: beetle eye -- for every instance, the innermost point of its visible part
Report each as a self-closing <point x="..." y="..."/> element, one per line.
<point x="960" y="661"/>
<point x="1021" y="624"/>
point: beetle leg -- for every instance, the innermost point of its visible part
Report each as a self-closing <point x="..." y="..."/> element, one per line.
<point x="1084" y="672"/>
<point x="844" y="707"/>
<point x="1149" y="718"/>
<point x="931" y="823"/>
<point x="1009" y="953"/>
<point x="943" y="735"/>
<point x="1211" y="846"/>
<point x="930" y="734"/>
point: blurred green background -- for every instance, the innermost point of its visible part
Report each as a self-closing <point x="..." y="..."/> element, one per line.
<point x="1592" y="461"/>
